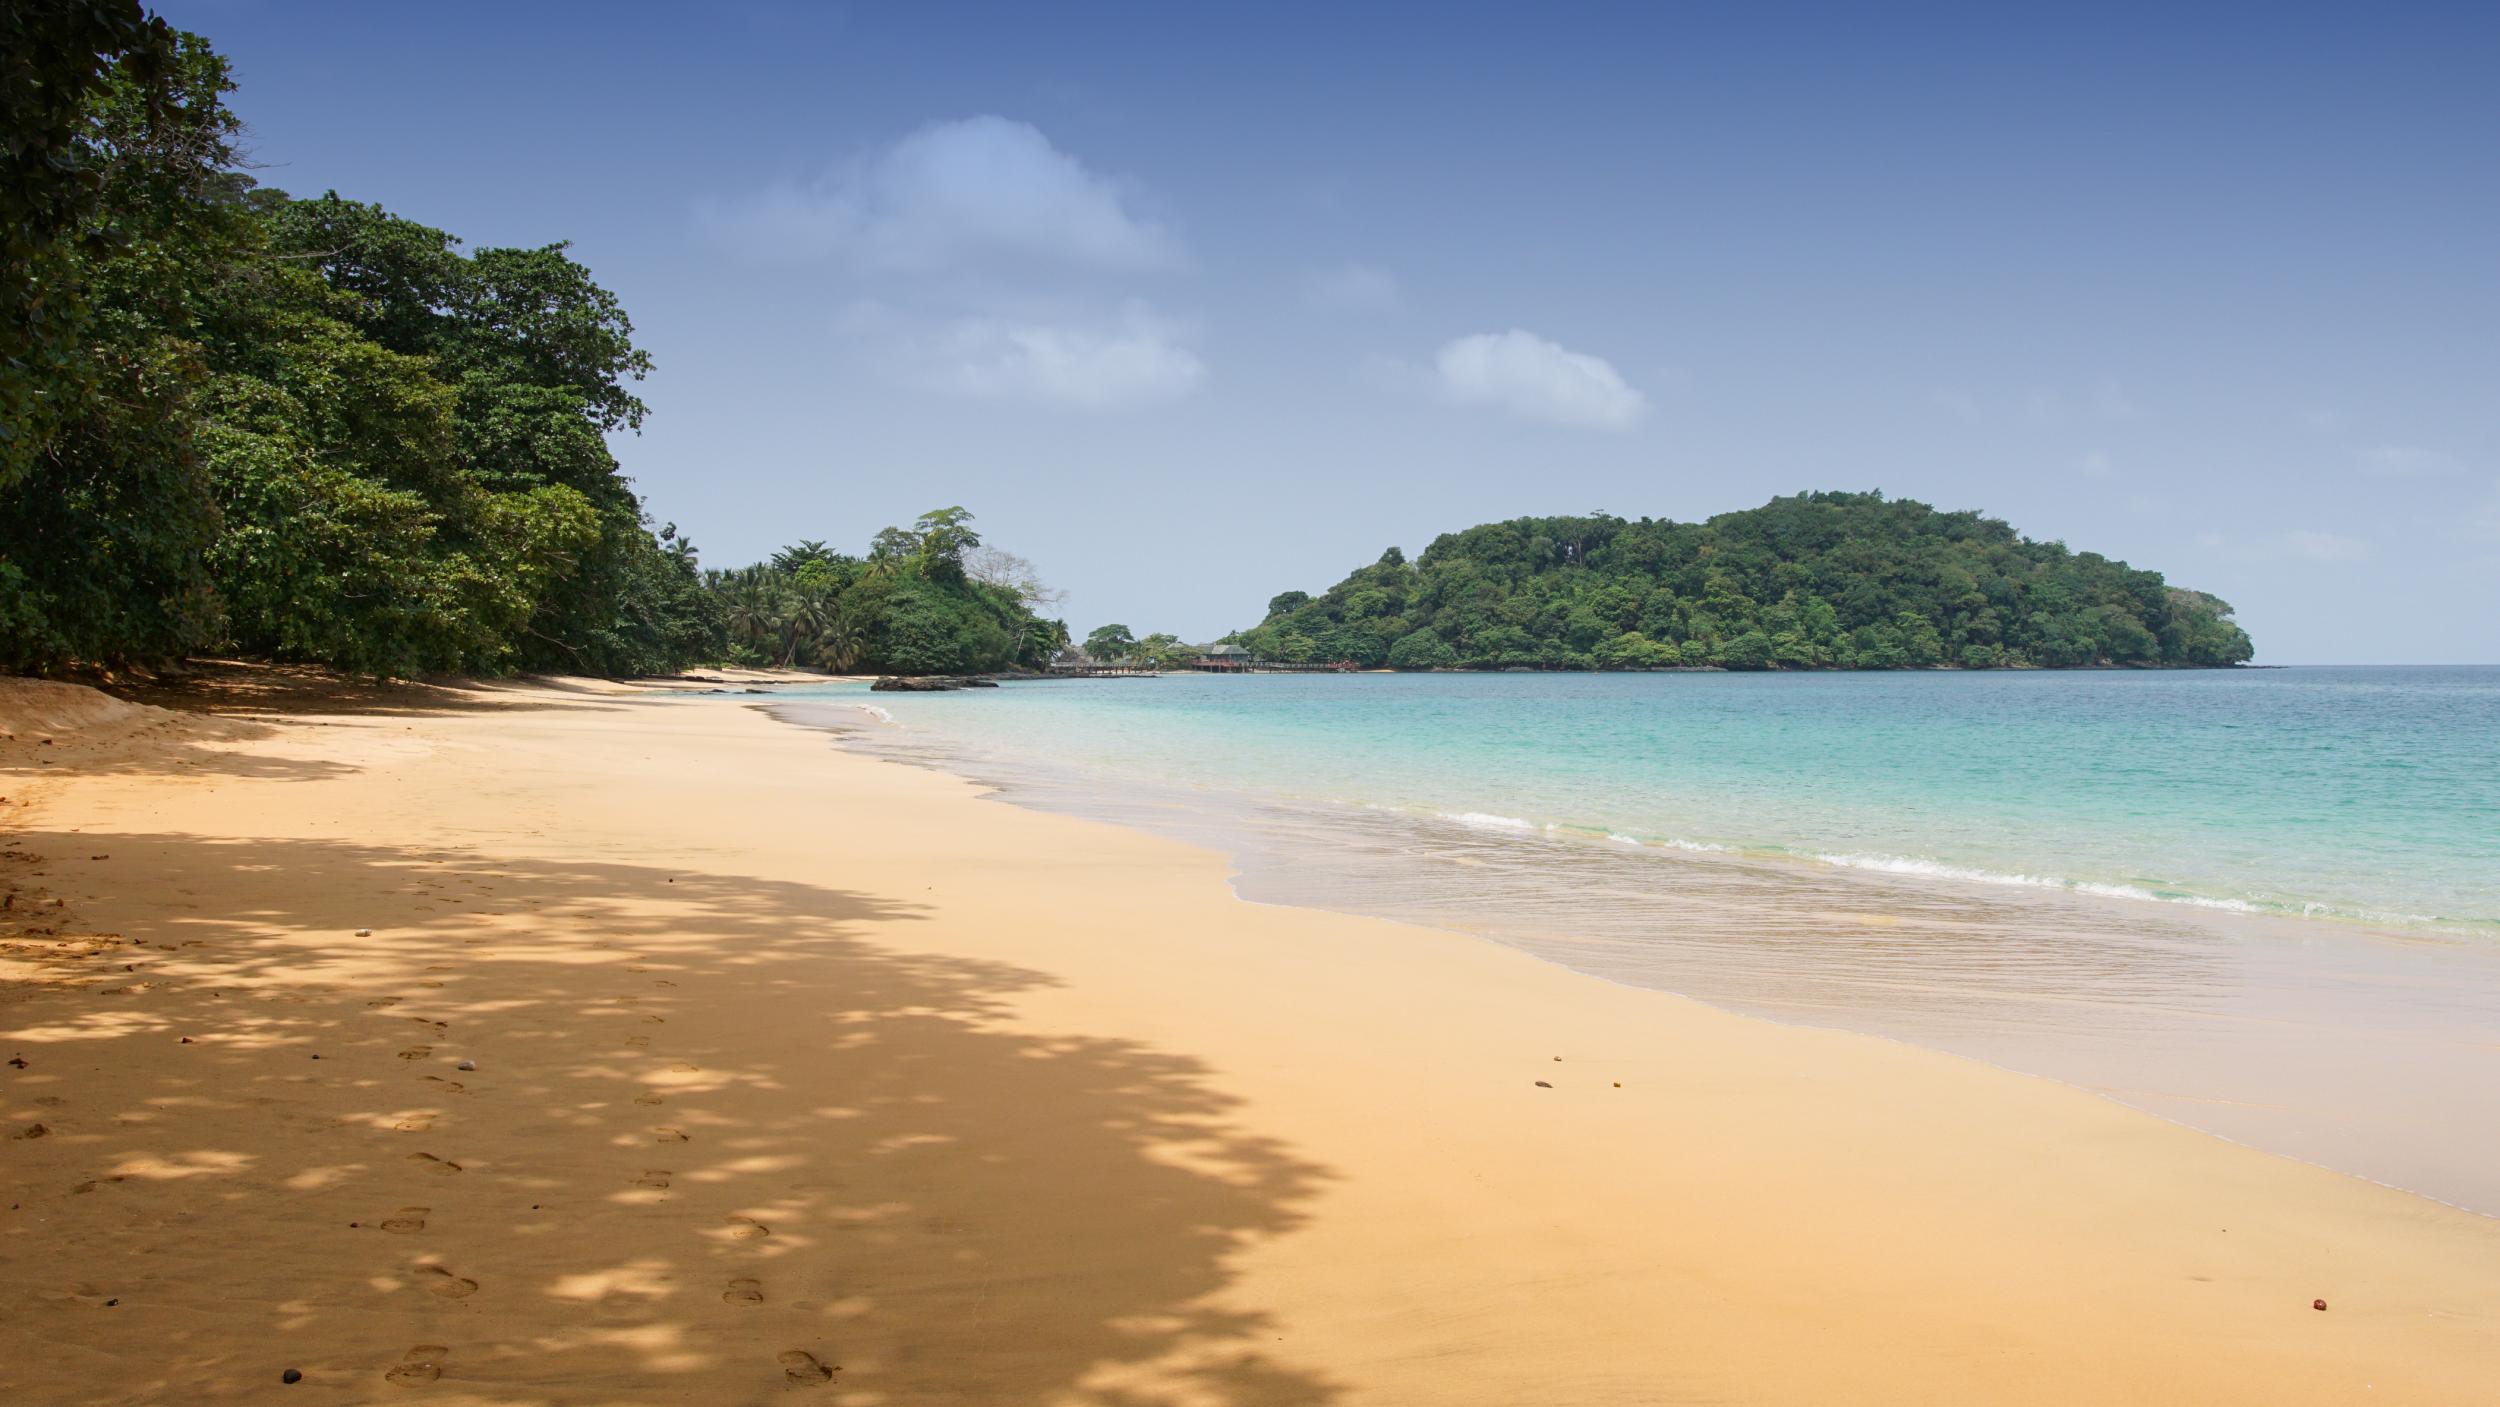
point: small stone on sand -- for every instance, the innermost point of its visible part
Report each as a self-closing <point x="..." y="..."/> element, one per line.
<point x="466" y="1065"/>
<point x="1543" y="1085"/>
<point x="291" y="1375"/>
<point x="2317" y="1304"/>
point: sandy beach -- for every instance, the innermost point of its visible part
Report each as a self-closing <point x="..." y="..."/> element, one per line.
<point x="566" y="1043"/>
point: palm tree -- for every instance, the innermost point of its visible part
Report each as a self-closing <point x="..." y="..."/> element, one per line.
<point x="754" y="605"/>
<point x="805" y="616"/>
<point x="842" y="642"/>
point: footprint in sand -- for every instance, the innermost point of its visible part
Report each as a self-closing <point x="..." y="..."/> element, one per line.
<point x="653" y="1177"/>
<point x="434" y="1164"/>
<point x="96" y="1183"/>
<point x="667" y="1135"/>
<point x="655" y="1020"/>
<point x="638" y="1042"/>
<point x="453" y="1085"/>
<point x="421" y="1366"/>
<point x="743" y="1292"/>
<point x="803" y="1368"/>
<point x="663" y="982"/>
<point x="681" y="1067"/>
<point x="647" y="1097"/>
<point x="429" y="984"/>
<point x="437" y="1027"/>
<point x="747" y="1228"/>
<point x="386" y="1001"/>
<point x="417" y="1052"/>
<point x="407" y="1221"/>
<point x="448" y="1285"/>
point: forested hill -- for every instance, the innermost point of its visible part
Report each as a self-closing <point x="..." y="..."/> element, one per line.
<point x="1815" y="581"/>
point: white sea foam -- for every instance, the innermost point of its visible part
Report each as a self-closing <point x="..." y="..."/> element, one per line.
<point x="1487" y="821"/>
<point x="877" y="713"/>
<point x="1937" y="869"/>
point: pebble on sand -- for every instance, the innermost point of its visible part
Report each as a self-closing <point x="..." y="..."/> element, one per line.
<point x="466" y="1065"/>
<point x="291" y="1375"/>
<point x="2317" y="1304"/>
<point x="1543" y="1085"/>
<point x="364" y="932"/>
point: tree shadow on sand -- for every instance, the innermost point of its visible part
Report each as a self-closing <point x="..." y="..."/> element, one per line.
<point x="866" y="1178"/>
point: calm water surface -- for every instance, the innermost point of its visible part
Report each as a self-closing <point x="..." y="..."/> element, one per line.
<point x="2264" y="903"/>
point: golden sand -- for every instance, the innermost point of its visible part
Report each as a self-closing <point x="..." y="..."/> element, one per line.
<point x="556" y="1044"/>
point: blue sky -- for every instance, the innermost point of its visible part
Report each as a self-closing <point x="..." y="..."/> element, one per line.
<point x="1195" y="304"/>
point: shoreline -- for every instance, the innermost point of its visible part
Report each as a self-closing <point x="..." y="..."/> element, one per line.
<point x="2347" y="1046"/>
<point x="1019" y="1107"/>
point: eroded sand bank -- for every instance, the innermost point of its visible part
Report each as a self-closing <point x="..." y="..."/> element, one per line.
<point x="798" y="1073"/>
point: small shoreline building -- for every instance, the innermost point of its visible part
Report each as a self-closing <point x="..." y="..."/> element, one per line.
<point x="1222" y="659"/>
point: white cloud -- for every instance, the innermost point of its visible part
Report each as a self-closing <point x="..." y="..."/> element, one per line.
<point x="1352" y="288"/>
<point x="951" y="194"/>
<point x="2326" y="547"/>
<point x="2095" y="465"/>
<point x="2408" y="462"/>
<point x="1133" y="359"/>
<point x="1528" y="376"/>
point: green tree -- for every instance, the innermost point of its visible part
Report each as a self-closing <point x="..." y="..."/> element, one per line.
<point x="1421" y="649"/>
<point x="1110" y="642"/>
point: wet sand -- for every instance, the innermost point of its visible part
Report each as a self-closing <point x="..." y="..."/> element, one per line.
<point x="798" y="1073"/>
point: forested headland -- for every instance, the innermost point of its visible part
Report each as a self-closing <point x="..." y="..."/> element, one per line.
<point x="1814" y="581"/>
<point x="311" y="430"/>
<point x="928" y="599"/>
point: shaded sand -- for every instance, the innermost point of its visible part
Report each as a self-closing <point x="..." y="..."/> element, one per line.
<point x="803" y="1075"/>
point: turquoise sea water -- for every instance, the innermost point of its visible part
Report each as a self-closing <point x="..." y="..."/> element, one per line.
<point x="2362" y="794"/>
<point x="2262" y="903"/>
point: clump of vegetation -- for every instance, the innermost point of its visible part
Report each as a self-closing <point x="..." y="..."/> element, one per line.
<point x="296" y="429"/>
<point x="928" y="599"/>
<point x="1117" y="644"/>
<point x="1814" y="581"/>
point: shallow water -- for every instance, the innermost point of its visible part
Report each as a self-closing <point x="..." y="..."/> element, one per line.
<point x="2260" y="903"/>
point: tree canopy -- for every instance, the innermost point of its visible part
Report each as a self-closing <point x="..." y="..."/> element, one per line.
<point x="296" y="429"/>
<point x="1813" y="581"/>
<point x="926" y="599"/>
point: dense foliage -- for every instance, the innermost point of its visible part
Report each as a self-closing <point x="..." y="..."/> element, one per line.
<point x="1816" y="581"/>
<point x="927" y="599"/>
<point x="297" y="429"/>
<point x="1117" y="644"/>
